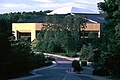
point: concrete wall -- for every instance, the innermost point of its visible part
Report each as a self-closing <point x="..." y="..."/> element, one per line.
<point x="39" y="26"/>
<point x="92" y="27"/>
<point x="24" y="27"/>
<point x="33" y="27"/>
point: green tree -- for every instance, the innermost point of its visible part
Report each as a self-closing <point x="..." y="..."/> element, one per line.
<point x="93" y="39"/>
<point x="92" y="35"/>
<point x="109" y="56"/>
<point x="65" y="30"/>
<point x="67" y="41"/>
<point x="51" y="47"/>
<point x="86" y="52"/>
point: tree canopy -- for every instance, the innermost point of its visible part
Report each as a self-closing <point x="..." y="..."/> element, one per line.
<point x="109" y="59"/>
<point x="62" y="32"/>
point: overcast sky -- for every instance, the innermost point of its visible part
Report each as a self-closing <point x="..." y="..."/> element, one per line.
<point x="7" y="6"/>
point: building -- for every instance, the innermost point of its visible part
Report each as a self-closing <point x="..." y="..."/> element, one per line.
<point x="28" y="29"/>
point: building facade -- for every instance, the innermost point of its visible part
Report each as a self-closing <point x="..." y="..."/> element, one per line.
<point x="26" y="30"/>
<point x="29" y="31"/>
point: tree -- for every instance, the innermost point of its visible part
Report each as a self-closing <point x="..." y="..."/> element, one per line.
<point x="109" y="56"/>
<point x="16" y="57"/>
<point x="92" y="35"/>
<point x="65" y="30"/>
<point x="67" y="41"/>
<point x="86" y="52"/>
<point x="51" y="47"/>
<point x="93" y="39"/>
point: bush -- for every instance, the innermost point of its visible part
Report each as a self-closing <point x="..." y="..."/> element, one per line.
<point x="86" y="52"/>
<point x="22" y="57"/>
<point x="76" y="66"/>
<point x="49" y="58"/>
<point x="111" y="62"/>
<point x="70" y="54"/>
<point x="39" y="60"/>
<point x="101" y="72"/>
<point x="19" y="60"/>
<point x="48" y="63"/>
<point x="83" y="63"/>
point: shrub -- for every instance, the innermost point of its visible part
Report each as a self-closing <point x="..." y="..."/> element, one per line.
<point x="97" y="58"/>
<point x="76" y="66"/>
<point x="70" y="54"/>
<point x="83" y="63"/>
<point x="22" y="57"/>
<point x="49" y="58"/>
<point x="39" y="60"/>
<point x="19" y="60"/>
<point x="100" y="72"/>
<point x="48" y="63"/>
<point x="86" y="52"/>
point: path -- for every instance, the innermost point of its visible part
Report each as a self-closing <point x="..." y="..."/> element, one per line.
<point x="59" y="72"/>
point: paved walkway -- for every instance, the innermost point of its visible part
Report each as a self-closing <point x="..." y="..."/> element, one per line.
<point x="60" y="71"/>
<point x="87" y="70"/>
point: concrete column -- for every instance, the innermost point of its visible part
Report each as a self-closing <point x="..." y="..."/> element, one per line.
<point x="99" y="34"/>
<point x="33" y="34"/>
<point x="15" y="34"/>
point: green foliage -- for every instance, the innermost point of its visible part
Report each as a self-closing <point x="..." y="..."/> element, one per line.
<point x="39" y="60"/>
<point x="83" y="63"/>
<point x="44" y="46"/>
<point x="40" y="35"/>
<point x="62" y="33"/>
<point x="20" y="16"/>
<point x="21" y="46"/>
<point x="51" y="47"/>
<point x="9" y="18"/>
<point x="70" y="54"/>
<point x="49" y="58"/>
<point x="96" y="58"/>
<point x="17" y="57"/>
<point x="38" y="47"/>
<point x="109" y="54"/>
<point x="94" y="40"/>
<point x="86" y="52"/>
<point x="67" y="41"/>
<point x="109" y="59"/>
<point x="92" y="35"/>
<point x="101" y="72"/>
<point x="76" y="66"/>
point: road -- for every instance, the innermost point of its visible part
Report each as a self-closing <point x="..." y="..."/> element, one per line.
<point x="59" y="72"/>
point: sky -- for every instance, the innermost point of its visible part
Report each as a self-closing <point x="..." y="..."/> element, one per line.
<point x="7" y="6"/>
